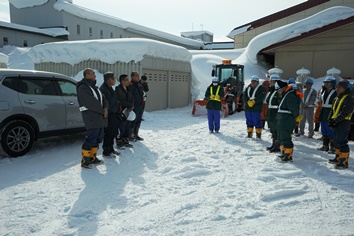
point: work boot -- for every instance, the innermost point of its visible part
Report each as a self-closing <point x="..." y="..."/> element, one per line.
<point x="249" y="132"/>
<point x="93" y="156"/>
<point x="343" y="160"/>
<point x="276" y="147"/>
<point x="136" y="133"/>
<point x="272" y="146"/>
<point x="85" y="158"/>
<point x="259" y="133"/>
<point x="281" y="152"/>
<point x="288" y="155"/>
<point x="325" y="145"/>
<point x="126" y="143"/>
<point x="263" y="123"/>
<point x="335" y="159"/>
<point x="120" y="143"/>
<point x="132" y="136"/>
<point x="331" y="147"/>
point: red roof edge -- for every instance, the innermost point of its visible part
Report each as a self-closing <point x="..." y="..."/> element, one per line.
<point x="312" y="33"/>
<point x="282" y="14"/>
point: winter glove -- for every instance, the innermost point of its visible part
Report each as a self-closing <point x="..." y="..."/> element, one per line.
<point x="251" y="103"/>
<point x="299" y="118"/>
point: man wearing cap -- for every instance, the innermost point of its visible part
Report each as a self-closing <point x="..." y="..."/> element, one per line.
<point x="213" y="94"/>
<point x="327" y="97"/>
<point x="273" y="100"/>
<point x="253" y="98"/>
<point x="288" y="112"/>
<point x="339" y="121"/>
<point x="308" y="107"/>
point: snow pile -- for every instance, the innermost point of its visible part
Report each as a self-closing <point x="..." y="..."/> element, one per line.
<point x="106" y="50"/>
<point x="4" y="58"/>
<point x="31" y="3"/>
<point x="295" y="29"/>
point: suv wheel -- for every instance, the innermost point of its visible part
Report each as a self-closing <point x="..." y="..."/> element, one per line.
<point x="17" y="138"/>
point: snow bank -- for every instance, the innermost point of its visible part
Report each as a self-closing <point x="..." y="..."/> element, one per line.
<point x="106" y="50"/>
<point x="3" y="58"/>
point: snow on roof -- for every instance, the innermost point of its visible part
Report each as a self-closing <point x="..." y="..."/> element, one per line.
<point x="99" y="17"/>
<point x="31" y="3"/>
<point x="295" y="29"/>
<point x="195" y="33"/>
<point x="238" y="31"/>
<point x="54" y="32"/>
<point x="106" y="50"/>
<point x="3" y="58"/>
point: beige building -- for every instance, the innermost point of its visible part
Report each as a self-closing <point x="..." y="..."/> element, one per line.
<point x="317" y="50"/>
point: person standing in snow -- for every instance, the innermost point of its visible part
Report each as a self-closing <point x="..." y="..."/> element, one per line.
<point x="110" y="132"/>
<point x="125" y="99"/>
<point x="273" y="100"/>
<point x="265" y="84"/>
<point x="138" y="98"/>
<point x="144" y="83"/>
<point x="288" y="112"/>
<point x="339" y="120"/>
<point x="253" y="98"/>
<point x="94" y="111"/>
<point x="214" y="93"/>
<point x="327" y="97"/>
<point x="308" y="107"/>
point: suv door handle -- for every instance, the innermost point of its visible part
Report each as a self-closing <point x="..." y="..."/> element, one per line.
<point x="70" y="103"/>
<point x="30" y="102"/>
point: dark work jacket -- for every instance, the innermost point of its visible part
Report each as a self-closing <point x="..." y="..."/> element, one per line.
<point x="125" y="97"/>
<point x="273" y="99"/>
<point x="93" y="116"/>
<point x="259" y="97"/>
<point x="345" y="109"/>
<point x="212" y="104"/>
<point x="138" y="94"/>
<point x="110" y="95"/>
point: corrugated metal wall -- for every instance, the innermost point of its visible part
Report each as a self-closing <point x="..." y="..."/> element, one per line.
<point x="169" y="80"/>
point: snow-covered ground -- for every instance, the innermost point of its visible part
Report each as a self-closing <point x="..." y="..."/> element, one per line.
<point x="180" y="181"/>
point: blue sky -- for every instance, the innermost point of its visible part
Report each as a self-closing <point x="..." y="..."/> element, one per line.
<point x="217" y="17"/>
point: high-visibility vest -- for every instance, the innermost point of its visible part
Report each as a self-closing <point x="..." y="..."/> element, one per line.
<point x="336" y="108"/>
<point x="215" y="97"/>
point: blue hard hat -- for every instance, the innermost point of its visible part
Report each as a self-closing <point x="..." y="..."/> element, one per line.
<point x="291" y="81"/>
<point x="309" y="80"/>
<point x="274" y="77"/>
<point x="329" y="79"/>
<point x="255" y="78"/>
<point x="215" y="80"/>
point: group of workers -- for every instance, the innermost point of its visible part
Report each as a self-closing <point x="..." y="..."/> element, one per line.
<point x="287" y="107"/>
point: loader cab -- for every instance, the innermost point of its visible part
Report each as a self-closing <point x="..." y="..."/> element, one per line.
<point x="232" y="74"/>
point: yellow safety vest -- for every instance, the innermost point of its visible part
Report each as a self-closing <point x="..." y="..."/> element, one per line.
<point x="215" y="97"/>
<point x="335" y="108"/>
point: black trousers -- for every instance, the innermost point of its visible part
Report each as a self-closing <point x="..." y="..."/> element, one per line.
<point x="110" y="132"/>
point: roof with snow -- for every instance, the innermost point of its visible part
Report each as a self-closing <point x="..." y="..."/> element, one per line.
<point x="54" y="32"/>
<point x="69" y="7"/>
<point x="106" y="50"/>
<point x="324" y="20"/>
<point x="276" y="16"/>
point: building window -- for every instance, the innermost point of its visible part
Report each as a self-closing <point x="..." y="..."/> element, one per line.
<point x="5" y="40"/>
<point x="25" y="44"/>
<point x="111" y="35"/>
<point x="90" y="32"/>
<point x="101" y="34"/>
<point x="78" y="29"/>
<point x="120" y="36"/>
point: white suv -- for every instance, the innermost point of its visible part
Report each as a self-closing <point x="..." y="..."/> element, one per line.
<point x="33" y="105"/>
